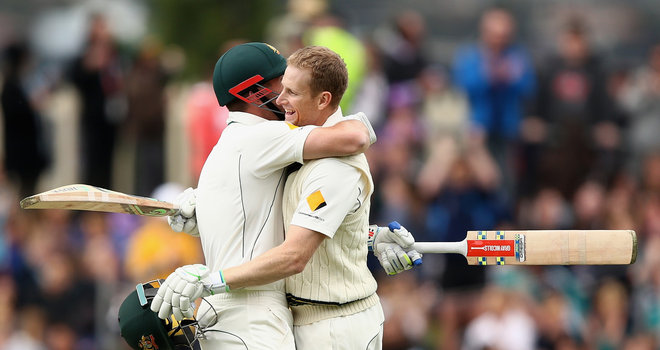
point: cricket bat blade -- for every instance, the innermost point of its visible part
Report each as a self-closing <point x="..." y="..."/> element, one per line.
<point x="91" y="198"/>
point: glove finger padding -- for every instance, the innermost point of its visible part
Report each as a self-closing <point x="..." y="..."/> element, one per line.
<point x="160" y="303"/>
<point x="176" y="222"/>
<point x="190" y="293"/>
<point x="157" y="301"/>
<point x="176" y="310"/>
<point x="386" y="264"/>
<point x="166" y="308"/>
<point x="190" y="227"/>
<point x="393" y="258"/>
<point x="401" y="237"/>
<point x="415" y="256"/>
<point x="184" y="307"/>
<point x="187" y="202"/>
<point x="404" y="260"/>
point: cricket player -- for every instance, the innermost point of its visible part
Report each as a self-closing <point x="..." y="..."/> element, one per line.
<point x="326" y="204"/>
<point x="324" y="253"/>
<point x="239" y="194"/>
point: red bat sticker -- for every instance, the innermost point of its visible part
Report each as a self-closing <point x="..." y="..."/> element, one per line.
<point x="491" y="247"/>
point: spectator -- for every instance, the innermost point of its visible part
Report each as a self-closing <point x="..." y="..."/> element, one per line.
<point x="329" y="31"/>
<point x="572" y="102"/>
<point x="445" y="117"/>
<point x="608" y="322"/>
<point x="68" y="296"/>
<point x="553" y="321"/>
<point x="205" y="122"/>
<point x="26" y="155"/>
<point x="31" y="329"/>
<point x="403" y="58"/>
<point x="588" y="204"/>
<point x="504" y="323"/>
<point x="403" y="47"/>
<point x="497" y="77"/>
<point x="97" y="75"/>
<point x="640" y="97"/>
<point x="145" y="92"/>
<point x="460" y="204"/>
<point x="371" y="98"/>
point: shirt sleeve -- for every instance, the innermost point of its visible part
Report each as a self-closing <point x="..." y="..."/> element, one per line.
<point x="332" y="190"/>
<point x="278" y="145"/>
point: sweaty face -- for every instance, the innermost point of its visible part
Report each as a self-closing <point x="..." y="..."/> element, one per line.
<point x="296" y="98"/>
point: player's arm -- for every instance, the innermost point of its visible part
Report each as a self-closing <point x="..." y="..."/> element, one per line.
<point x="181" y="288"/>
<point x="287" y="259"/>
<point x="348" y="137"/>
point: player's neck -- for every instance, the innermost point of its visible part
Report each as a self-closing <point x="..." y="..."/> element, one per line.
<point x="324" y="115"/>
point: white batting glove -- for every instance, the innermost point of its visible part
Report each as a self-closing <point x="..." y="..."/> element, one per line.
<point x="178" y="293"/>
<point x="363" y="118"/>
<point x="393" y="246"/>
<point x="185" y="219"/>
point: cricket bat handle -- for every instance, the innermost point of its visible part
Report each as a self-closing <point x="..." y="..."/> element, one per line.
<point x="441" y="247"/>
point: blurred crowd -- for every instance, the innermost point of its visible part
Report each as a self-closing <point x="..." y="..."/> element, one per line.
<point x="493" y="139"/>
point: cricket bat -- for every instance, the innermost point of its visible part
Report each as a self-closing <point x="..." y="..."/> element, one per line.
<point x="541" y="247"/>
<point x="91" y="198"/>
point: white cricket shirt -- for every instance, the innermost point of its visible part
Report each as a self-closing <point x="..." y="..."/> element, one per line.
<point x="239" y="194"/>
<point x="331" y="196"/>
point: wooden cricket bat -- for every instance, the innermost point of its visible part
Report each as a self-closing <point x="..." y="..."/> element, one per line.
<point x="86" y="197"/>
<point x="541" y="247"/>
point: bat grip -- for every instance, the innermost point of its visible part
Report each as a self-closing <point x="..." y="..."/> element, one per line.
<point x="396" y="226"/>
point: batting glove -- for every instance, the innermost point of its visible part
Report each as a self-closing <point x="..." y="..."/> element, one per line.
<point x="363" y="118"/>
<point x="185" y="219"/>
<point x="178" y="293"/>
<point x="393" y="245"/>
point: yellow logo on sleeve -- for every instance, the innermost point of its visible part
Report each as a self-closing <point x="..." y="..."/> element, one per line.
<point x="316" y="201"/>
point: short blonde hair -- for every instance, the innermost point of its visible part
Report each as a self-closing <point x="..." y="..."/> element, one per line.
<point x="328" y="70"/>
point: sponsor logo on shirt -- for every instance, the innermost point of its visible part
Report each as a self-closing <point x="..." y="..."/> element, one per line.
<point x="316" y="201"/>
<point x="312" y="216"/>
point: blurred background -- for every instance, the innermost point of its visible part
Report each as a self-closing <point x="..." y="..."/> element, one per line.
<point x="490" y="115"/>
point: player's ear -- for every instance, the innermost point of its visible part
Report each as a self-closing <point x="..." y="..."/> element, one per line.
<point x="324" y="100"/>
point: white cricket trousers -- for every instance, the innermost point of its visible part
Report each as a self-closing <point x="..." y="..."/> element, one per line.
<point x="253" y="320"/>
<point x="363" y="330"/>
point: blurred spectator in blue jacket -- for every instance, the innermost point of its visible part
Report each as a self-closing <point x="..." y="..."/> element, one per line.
<point x="497" y="76"/>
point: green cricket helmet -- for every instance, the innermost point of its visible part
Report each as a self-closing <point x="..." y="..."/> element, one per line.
<point x="241" y="71"/>
<point x="143" y="330"/>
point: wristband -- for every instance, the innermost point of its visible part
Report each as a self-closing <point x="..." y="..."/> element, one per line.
<point x="216" y="283"/>
<point x="222" y="277"/>
<point x="373" y="232"/>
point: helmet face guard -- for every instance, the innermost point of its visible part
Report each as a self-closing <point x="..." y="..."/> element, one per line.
<point x="250" y="91"/>
<point x="143" y="330"/>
